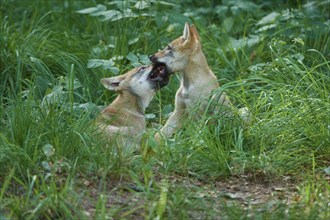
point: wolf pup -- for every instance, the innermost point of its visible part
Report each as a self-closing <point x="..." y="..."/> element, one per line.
<point x="123" y="121"/>
<point x="185" y="55"/>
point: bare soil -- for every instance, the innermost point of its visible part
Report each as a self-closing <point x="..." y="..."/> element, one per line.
<point x="246" y="191"/>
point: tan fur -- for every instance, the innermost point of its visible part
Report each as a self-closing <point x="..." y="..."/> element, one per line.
<point x="198" y="82"/>
<point x="123" y="121"/>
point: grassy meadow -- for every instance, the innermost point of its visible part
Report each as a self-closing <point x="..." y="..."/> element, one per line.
<point x="270" y="56"/>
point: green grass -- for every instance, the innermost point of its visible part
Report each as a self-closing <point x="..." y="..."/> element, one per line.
<point x="52" y="164"/>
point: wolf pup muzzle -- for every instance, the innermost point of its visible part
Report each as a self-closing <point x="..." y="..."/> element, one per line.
<point x="159" y="75"/>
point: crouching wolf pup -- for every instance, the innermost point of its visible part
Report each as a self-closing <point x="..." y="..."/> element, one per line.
<point x="123" y="121"/>
<point x="198" y="83"/>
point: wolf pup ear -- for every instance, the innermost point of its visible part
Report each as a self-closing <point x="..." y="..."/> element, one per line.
<point x="194" y="32"/>
<point x="112" y="83"/>
<point x="186" y="32"/>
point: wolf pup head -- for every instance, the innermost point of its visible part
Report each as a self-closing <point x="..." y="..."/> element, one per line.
<point x="176" y="54"/>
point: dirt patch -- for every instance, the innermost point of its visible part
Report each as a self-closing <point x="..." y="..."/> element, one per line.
<point x="126" y="199"/>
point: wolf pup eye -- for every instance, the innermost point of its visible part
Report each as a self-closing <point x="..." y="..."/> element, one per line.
<point x="168" y="47"/>
<point x="142" y="68"/>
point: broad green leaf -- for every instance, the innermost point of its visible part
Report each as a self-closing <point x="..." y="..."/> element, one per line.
<point x="136" y="63"/>
<point x="91" y="10"/>
<point x="228" y="23"/>
<point x="172" y="27"/>
<point x="57" y="89"/>
<point x="133" y="41"/>
<point x="144" y="59"/>
<point x="101" y="7"/>
<point x="266" y="28"/>
<point x="76" y="84"/>
<point x="114" y="2"/>
<point x="57" y="95"/>
<point x="327" y="170"/>
<point x="238" y="43"/>
<point x="118" y="17"/>
<point x="286" y="15"/>
<point x="221" y="10"/>
<point x="120" y="4"/>
<point x="88" y="106"/>
<point x="42" y="83"/>
<point x="110" y="14"/>
<point x="114" y="70"/>
<point x="48" y="150"/>
<point x="147" y="15"/>
<point x="247" y="6"/>
<point x="174" y="17"/>
<point x="128" y="13"/>
<point x="160" y="19"/>
<point x="106" y="64"/>
<point x="297" y="56"/>
<point x="33" y="59"/>
<point x="234" y="10"/>
<point x="247" y="41"/>
<point x="167" y="110"/>
<point x="257" y="67"/>
<point x="166" y="3"/>
<point x="97" y="51"/>
<point x="152" y="143"/>
<point x="141" y="5"/>
<point x="118" y="57"/>
<point x="299" y="40"/>
<point x="268" y="18"/>
<point x="150" y="116"/>
<point x="46" y="166"/>
<point x="92" y="63"/>
<point x="132" y="57"/>
<point x="88" y="10"/>
<point x="253" y="40"/>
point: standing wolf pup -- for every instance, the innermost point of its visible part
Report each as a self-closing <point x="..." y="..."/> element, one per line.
<point x="123" y="121"/>
<point x="185" y="55"/>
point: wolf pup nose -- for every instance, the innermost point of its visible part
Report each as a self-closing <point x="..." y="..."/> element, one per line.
<point x="153" y="58"/>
